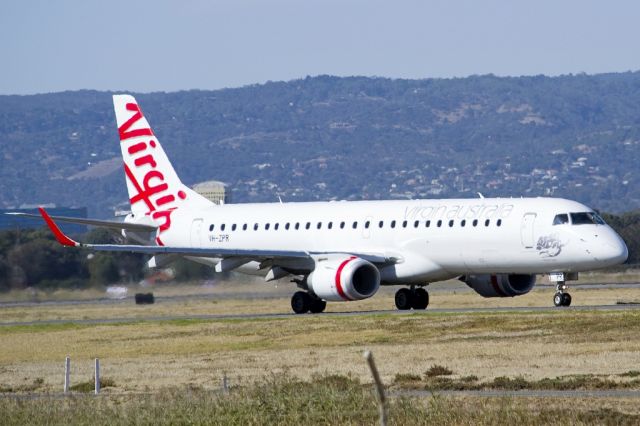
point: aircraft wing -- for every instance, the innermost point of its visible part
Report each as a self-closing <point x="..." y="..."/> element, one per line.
<point x="251" y="254"/>
<point x="93" y="222"/>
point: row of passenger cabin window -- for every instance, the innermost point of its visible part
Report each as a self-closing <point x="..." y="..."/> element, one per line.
<point x="354" y="225"/>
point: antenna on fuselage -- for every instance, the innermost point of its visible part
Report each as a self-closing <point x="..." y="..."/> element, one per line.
<point x="480" y="195"/>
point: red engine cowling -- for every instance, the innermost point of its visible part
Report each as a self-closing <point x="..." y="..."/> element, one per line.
<point x="344" y="278"/>
<point x="500" y="285"/>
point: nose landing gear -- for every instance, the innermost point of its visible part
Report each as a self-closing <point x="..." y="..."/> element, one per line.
<point x="416" y="298"/>
<point x="561" y="298"/>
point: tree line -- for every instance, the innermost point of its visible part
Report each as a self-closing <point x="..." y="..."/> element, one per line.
<point x="33" y="258"/>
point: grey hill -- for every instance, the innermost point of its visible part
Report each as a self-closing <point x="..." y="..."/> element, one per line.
<point x="331" y="138"/>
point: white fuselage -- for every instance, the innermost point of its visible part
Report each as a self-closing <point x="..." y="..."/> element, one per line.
<point x="431" y="239"/>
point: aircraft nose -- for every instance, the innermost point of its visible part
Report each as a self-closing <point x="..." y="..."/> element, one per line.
<point x="614" y="250"/>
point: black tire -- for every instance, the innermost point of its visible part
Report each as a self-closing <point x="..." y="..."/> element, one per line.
<point x="317" y="306"/>
<point x="557" y="299"/>
<point x="566" y="299"/>
<point x="404" y="299"/>
<point x="300" y="302"/>
<point x="420" y="299"/>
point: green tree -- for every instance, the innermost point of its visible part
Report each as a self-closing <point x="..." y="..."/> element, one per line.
<point x="103" y="270"/>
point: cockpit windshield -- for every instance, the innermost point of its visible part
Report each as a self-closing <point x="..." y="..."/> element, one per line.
<point x="561" y="219"/>
<point x="581" y="218"/>
<point x="586" y="218"/>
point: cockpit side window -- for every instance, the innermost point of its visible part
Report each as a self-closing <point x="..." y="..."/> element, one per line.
<point x="586" y="218"/>
<point x="561" y="219"/>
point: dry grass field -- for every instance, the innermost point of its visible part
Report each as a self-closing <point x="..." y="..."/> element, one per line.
<point x="159" y="355"/>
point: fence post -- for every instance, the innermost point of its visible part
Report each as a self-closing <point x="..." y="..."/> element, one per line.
<point x="382" y="399"/>
<point x="97" y="377"/>
<point x="225" y="384"/>
<point x="67" y="367"/>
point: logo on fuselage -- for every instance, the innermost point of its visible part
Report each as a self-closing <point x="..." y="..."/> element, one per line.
<point x="154" y="192"/>
<point x="549" y="245"/>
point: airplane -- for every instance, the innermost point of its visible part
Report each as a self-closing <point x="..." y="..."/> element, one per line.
<point x="345" y="250"/>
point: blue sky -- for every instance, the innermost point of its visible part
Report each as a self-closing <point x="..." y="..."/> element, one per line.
<point x="163" y="45"/>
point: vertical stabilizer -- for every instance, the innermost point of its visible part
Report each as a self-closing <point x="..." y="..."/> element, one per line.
<point x="154" y="187"/>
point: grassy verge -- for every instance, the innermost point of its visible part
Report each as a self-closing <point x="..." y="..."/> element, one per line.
<point x="155" y="354"/>
<point x="287" y="401"/>
<point x="438" y="378"/>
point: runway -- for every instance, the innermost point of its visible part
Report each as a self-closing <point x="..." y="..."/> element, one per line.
<point x="285" y="292"/>
<point x="291" y="315"/>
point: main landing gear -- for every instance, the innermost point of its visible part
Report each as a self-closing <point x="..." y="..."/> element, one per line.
<point x="302" y="302"/>
<point x="561" y="298"/>
<point x="416" y="298"/>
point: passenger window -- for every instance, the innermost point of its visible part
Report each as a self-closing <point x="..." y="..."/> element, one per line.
<point x="330" y="225"/>
<point x="416" y="223"/>
<point x="380" y="224"/>
<point x="255" y="227"/>
<point x="341" y="225"/>
<point x="393" y="223"/>
<point x="276" y="226"/>
<point x="439" y="223"/>
<point x="463" y="223"/>
<point x="233" y="227"/>
<point x="486" y="222"/>
<point x="244" y="227"/>
<point x="366" y="224"/>
<point x="319" y="225"/>
<point x="404" y="224"/>
<point x="297" y="225"/>
<point x="499" y="222"/>
<point x="266" y="227"/>
<point x="428" y="223"/>
<point x="222" y="227"/>
<point x="286" y="226"/>
<point x="210" y="228"/>
<point x="451" y="223"/>
<point x="308" y="225"/>
<point x="475" y="222"/>
<point x="561" y="219"/>
<point x="355" y="225"/>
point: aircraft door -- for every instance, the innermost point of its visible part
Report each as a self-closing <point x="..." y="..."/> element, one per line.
<point x="526" y="230"/>
<point x="196" y="233"/>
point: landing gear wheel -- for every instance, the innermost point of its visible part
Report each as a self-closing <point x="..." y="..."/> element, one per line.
<point x="301" y="302"/>
<point x="420" y="299"/>
<point x="404" y="299"/>
<point x="317" y="306"/>
<point x="557" y="299"/>
<point x="566" y="299"/>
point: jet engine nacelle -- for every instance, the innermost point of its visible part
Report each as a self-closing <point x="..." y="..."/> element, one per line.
<point x="500" y="285"/>
<point x="344" y="278"/>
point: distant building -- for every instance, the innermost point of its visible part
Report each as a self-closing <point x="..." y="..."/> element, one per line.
<point x="17" y="222"/>
<point x="214" y="191"/>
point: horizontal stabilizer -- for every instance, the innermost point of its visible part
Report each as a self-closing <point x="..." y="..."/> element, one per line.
<point x="95" y="222"/>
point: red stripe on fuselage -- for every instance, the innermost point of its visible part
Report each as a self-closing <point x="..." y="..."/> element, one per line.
<point x="339" y="280"/>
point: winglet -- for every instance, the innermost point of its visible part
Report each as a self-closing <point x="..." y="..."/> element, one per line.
<point x="60" y="236"/>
